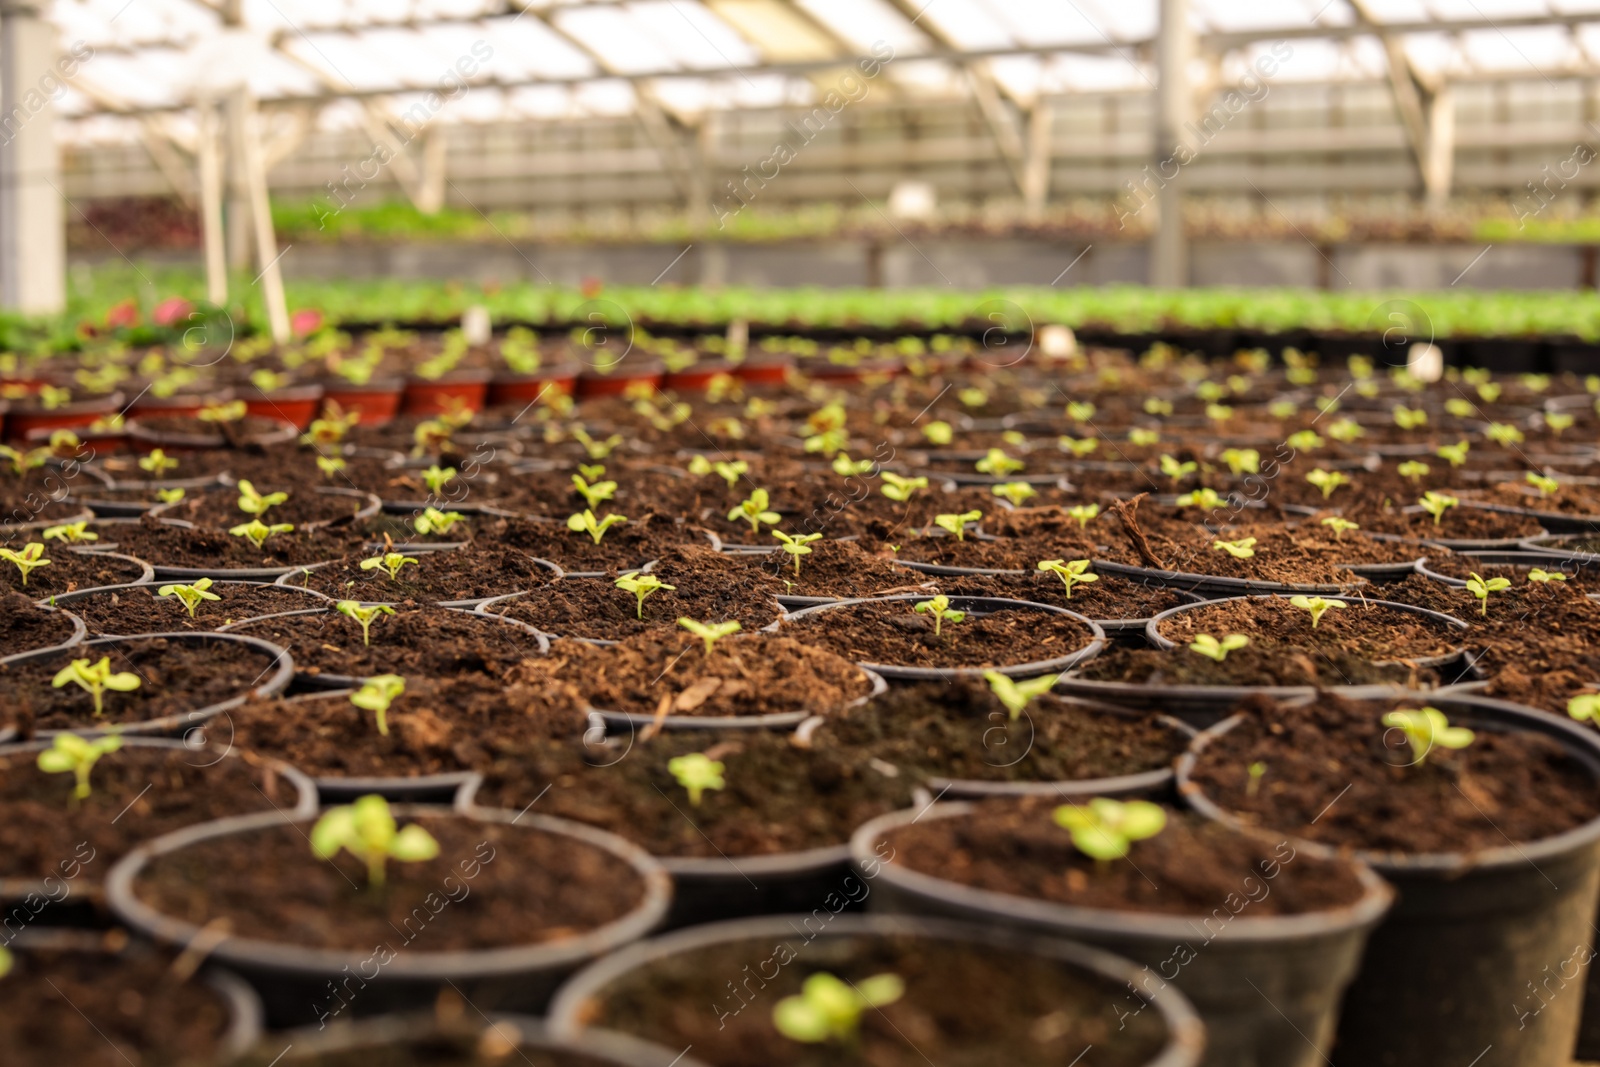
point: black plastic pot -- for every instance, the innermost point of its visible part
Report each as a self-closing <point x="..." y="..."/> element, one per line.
<point x="977" y="605"/>
<point x="148" y="575"/>
<point x="625" y="721"/>
<point x="1501" y="559"/>
<point x="1266" y="987"/>
<point x="133" y="499"/>
<point x="388" y="1038"/>
<point x="1561" y="548"/>
<point x="841" y="938"/>
<point x="60" y="902"/>
<point x="68" y="599"/>
<point x="472" y="602"/>
<point x="1480" y="544"/>
<point x="1448" y="977"/>
<point x="370" y="505"/>
<point x="1213" y="584"/>
<point x="1556" y="522"/>
<point x="22" y="532"/>
<point x="293" y="979"/>
<point x="168" y="573"/>
<point x="274" y="678"/>
<point x="80" y="630"/>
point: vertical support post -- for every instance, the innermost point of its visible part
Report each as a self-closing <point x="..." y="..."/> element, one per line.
<point x="1036" y="169"/>
<point x="1169" y="251"/>
<point x="33" y="246"/>
<point x="1439" y="157"/>
<point x="267" y="255"/>
<point x="209" y="157"/>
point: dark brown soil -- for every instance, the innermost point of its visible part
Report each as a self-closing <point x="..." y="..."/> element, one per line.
<point x="137" y="793"/>
<point x="1021" y="539"/>
<point x="175" y="678"/>
<point x="1464" y="567"/>
<point x="68" y="572"/>
<point x="90" y="1010"/>
<point x="1190" y="868"/>
<point x="754" y="674"/>
<point x="459" y="1045"/>
<point x="840" y="569"/>
<point x="1459" y="523"/>
<point x="24" y="626"/>
<point x="217" y="550"/>
<point x="525" y="887"/>
<point x="240" y="432"/>
<point x="1362" y="629"/>
<point x="1293" y="557"/>
<point x="1504" y="787"/>
<point x="777" y="798"/>
<point x="1112" y="597"/>
<point x="139" y="610"/>
<point x="626" y="547"/>
<point x="208" y="463"/>
<point x="709" y="587"/>
<point x="304" y="508"/>
<point x="1252" y="666"/>
<point x="435" y="727"/>
<point x="415" y="640"/>
<point x="1569" y="499"/>
<point x="286" y="468"/>
<point x="961" y="731"/>
<point x="470" y="573"/>
<point x="892" y="633"/>
<point x="964" y="1006"/>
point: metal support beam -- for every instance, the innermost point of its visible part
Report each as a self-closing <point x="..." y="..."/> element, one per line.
<point x="208" y="152"/>
<point x="1169" y="250"/>
<point x="1036" y="169"/>
<point x="1427" y="113"/>
<point x="32" y="223"/>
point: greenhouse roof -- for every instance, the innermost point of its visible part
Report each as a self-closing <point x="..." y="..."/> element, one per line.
<point x="557" y="59"/>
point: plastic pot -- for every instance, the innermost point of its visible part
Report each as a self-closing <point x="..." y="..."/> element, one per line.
<point x="1214" y="584"/>
<point x="1561" y="547"/>
<point x="80" y="630"/>
<point x="978" y="606"/>
<point x="1479" y="544"/>
<point x="272" y="680"/>
<point x="459" y="389"/>
<point x="203" y="438"/>
<point x="296" y="404"/>
<point x="1556" y="522"/>
<point x="470" y="604"/>
<point x="1499" y="559"/>
<point x="30" y="528"/>
<point x="78" y="596"/>
<point x="109" y="553"/>
<point x="364" y="505"/>
<point x="129" y="500"/>
<point x="1469" y="933"/>
<point x="627" y="721"/>
<point x="764" y="370"/>
<point x="375" y="403"/>
<point x="68" y="901"/>
<point x="843" y="937"/>
<point x="388" y="1038"/>
<point x="520" y="390"/>
<point x="696" y="378"/>
<point x="21" y="421"/>
<point x="592" y="384"/>
<point x="293" y="979"/>
<point x="1267" y="988"/>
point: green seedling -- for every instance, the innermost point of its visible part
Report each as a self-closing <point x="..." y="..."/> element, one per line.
<point x="1015" y="695"/>
<point x="22" y="462"/>
<point x="170" y="496"/>
<point x="1585" y="707"/>
<point x="956" y="525"/>
<point x="1481" y="587"/>
<point x="1546" y="486"/>
<point x="257" y="531"/>
<point x="829" y="1010"/>
<point x="365" y="616"/>
<point x="938" y="433"/>
<point x="585" y="522"/>
<point x="1080" y="411"/>
<point x="72" y="533"/>
<point x="1078" y="446"/>
<point x="1413" y="469"/>
<point x="1105" y="829"/>
<point x="1504" y="434"/>
<point x="232" y="411"/>
<point x="376" y="694"/>
<point x="972" y="397"/>
<point x="697" y="772"/>
<point x="1426" y="728"/>
<point x="329" y="466"/>
<point x="845" y="467"/>
<point x="367" y="830"/>
<point x="1455" y="454"/>
<point x="1175" y="470"/>
<point x="711" y="632"/>
<point x="1436" y="504"/>
<point x="594" y="494"/>
<point x="1558" y="422"/>
<point x="998" y="464"/>
<point x="1211" y="648"/>
<point x="96" y="678"/>
<point x="1143" y="437"/>
<point x="596" y="450"/>
<point x="1340" y="526"/>
<point x="592" y="471"/>
<point x="390" y="563"/>
<point x="157" y="463"/>
<point x="1317" y="606"/>
<point x="1209" y="499"/>
<point x="1015" y="493"/>
<point x="1346" y="430"/>
<point x="437" y="477"/>
<point x="730" y="471"/>
<point x="641" y="586"/>
<point x="1243" y="548"/>
<point x="753" y="509"/>
<point x="939" y="607"/>
<point x="1305" y="441"/>
<point x="1084" y="513"/>
<point x="1460" y="407"/>
<point x="253" y="503"/>
<point x="30" y="559"/>
<point x="192" y="596"/>
<point x="1257" y="771"/>
<point x="1409" y="419"/>
<point x="1157" y="407"/>
<point x="1071" y="573"/>
<point x="1327" y="481"/>
<point x="1242" y="460"/>
<point x="1542" y="576"/>
<point x="796" y="546"/>
<point x="69" y="752"/>
<point x="434" y="521"/>
<point x="900" y="489"/>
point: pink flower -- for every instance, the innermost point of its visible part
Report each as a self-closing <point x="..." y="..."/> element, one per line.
<point x="172" y="310"/>
<point x="305" y="321"/>
<point x="123" y="315"/>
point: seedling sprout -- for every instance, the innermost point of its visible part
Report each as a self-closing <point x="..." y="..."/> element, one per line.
<point x="1257" y="771"/>
<point x="1436" y="504"/>
<point x="1540" y="575"/>
<point x="30" y="559"/>
<point x="697" y="772"/>
<point x="390" y="563"/>
<point x="376" y="694"/>
<point x="939" y="608"/>
<point x="1071" y="573"/>
<point x="1084" y="513"/>
<point x="641" y="586"/>
<point x="1455" y="454"/>
<point x="900" y="489"/>
<point x="170" y="496"/>
<point x="1317" y="606"/>
<point x="1481" y="587"/>
<point x="365" y="616"/>
<point x="1327" y="481"/>
<point x="329" y="466"/>
<point x="191" y="595"/>
<point x="1426" y="728"/>
<point x="257" y="531"/>
<point x="796" y="546"/>
<point x="1546" y="486"/>
<point x="1105" y="829"/>
<point x="1211" y="648"/>
<point x="1208" y="499"/>
<point x="593" y="493"/>
<point x="845" y="467"/>
<point x="585" y="522"/>
<point x="253" y="503"/>
<point x="69" y="752"/>
<point x="95" y="679"/>
<point x="829" y="1010"/>
<point x="1339" y="526"/>
<point x="753" y="509"/>
<point x="956" y="525"/>
<point x="366" y="830"/>
<point x="72" y="533"/>
<point x="434" y="521"/>
<point x="1175" y="470"/>
<point x="998" y="464"/>
<point x="1241" y="549"/>
<point x="1016" y="695"/>
<point x="1413" y="469"/>
<point x="436" y="477"/>
<point x="710" y="632"/>
<point x="1242" y="460"/>
<point x="1014" y="492"/>
<point x="157" y="463"/>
